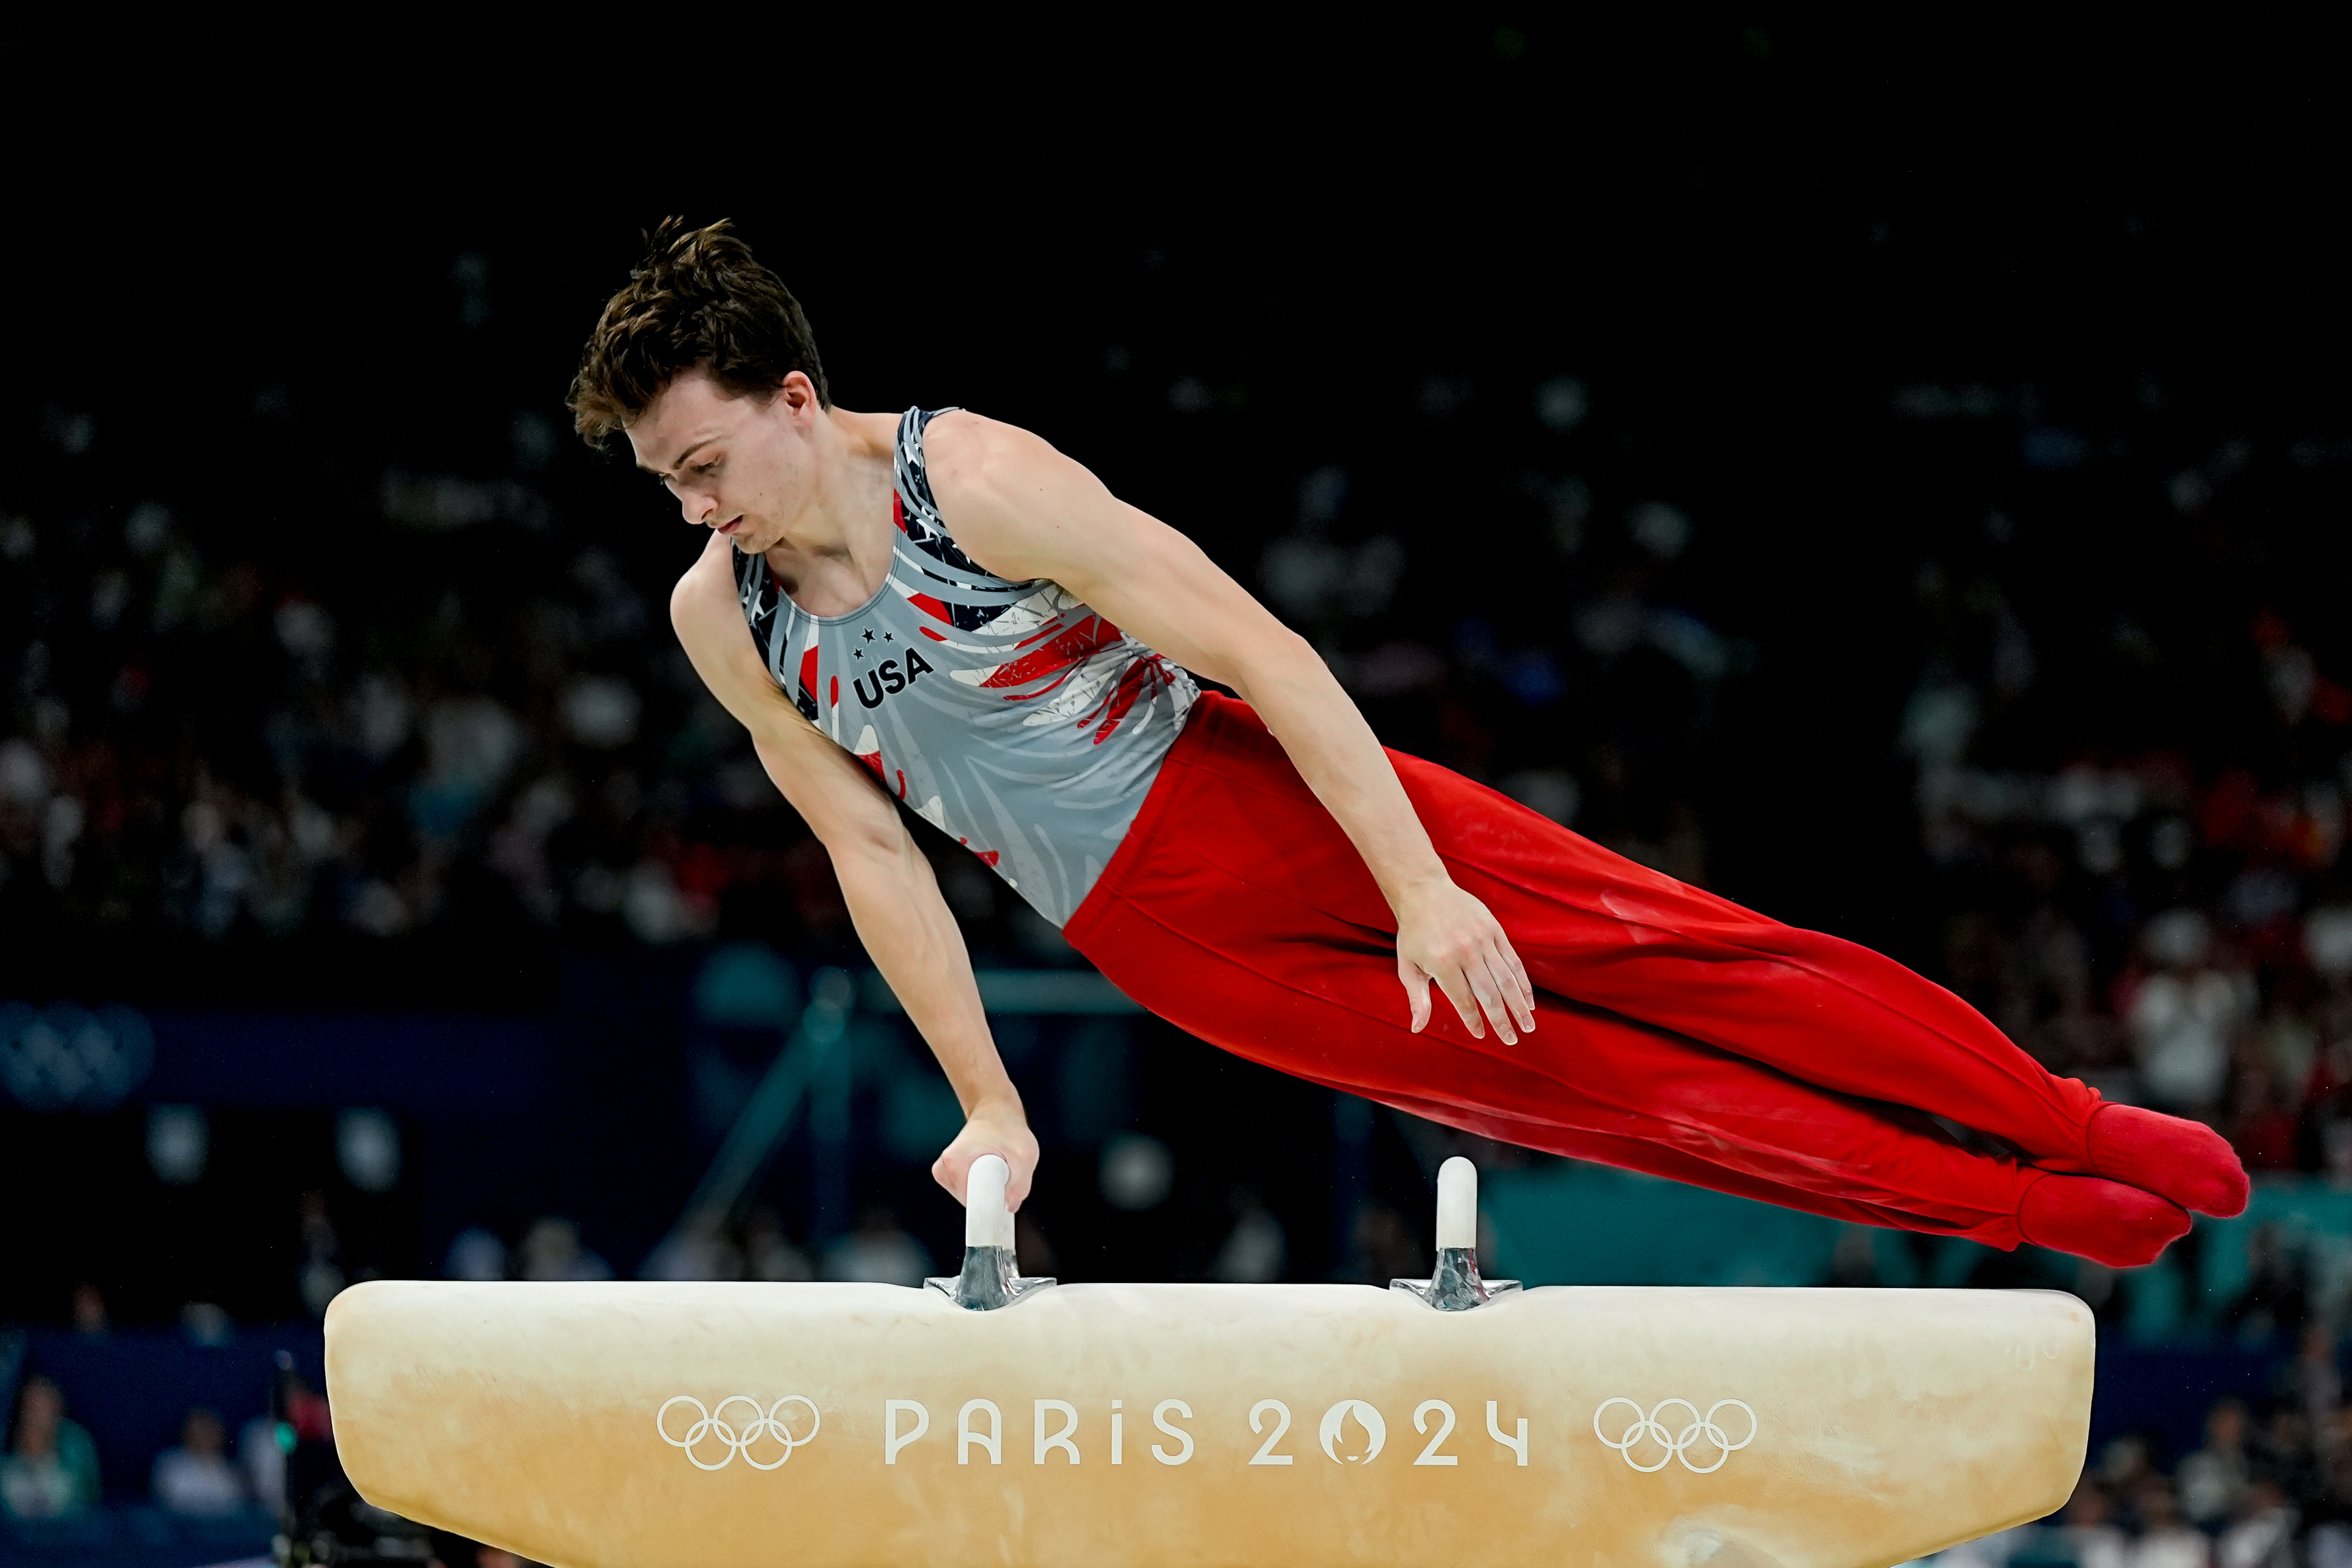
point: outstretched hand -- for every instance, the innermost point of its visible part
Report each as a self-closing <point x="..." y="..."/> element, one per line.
<point x="989" y="1130"/>
<point x="1446" y="935"/>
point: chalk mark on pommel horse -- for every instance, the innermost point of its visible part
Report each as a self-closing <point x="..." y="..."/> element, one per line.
<point x="990" y="1419"/>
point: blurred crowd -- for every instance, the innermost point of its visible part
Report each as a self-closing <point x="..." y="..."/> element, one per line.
<point x="2129" y="807"/>
<point x="278" y="1479"/>
<point x="2270" y="1487"/>
<point x="221" y="748"/>
<point x="477" y="723"/>
<point x="2132" y="793"/>
<point x="2131" y="798"/>
<point x="2124" y="733"/>
<point x="50" y="1469"/>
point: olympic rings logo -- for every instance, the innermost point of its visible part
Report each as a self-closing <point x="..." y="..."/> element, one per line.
<point x="1701" y="1432"/>
<point x="739" y="1436"/>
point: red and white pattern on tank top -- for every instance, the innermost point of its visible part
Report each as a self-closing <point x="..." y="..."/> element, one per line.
<point x="1007" y="714"/>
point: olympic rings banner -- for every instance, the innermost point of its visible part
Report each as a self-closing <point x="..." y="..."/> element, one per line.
<point x="1133" y="1426"/>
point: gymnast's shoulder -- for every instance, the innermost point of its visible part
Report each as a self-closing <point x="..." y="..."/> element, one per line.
<point x="1015" y="504"/>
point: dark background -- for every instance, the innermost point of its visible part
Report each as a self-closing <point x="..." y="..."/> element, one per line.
<point x="1747" y="240"/>
<point x="1725" y="389"/>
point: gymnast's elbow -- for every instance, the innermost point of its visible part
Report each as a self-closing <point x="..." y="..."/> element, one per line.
<point x="872" y="848"/>
<point x="1267" y="657"/>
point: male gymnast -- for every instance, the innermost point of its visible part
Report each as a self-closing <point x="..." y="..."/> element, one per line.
<point x="935" y="613"/>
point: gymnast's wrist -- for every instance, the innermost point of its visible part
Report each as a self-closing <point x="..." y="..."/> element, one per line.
<point x="1421" y="885"/>
<point x="999" y="1108"/>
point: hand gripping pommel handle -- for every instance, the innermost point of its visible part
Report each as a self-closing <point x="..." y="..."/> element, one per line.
<point x="1454" y="1285"/>
<point x="991" y="1278"/>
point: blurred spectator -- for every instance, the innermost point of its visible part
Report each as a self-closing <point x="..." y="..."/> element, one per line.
<point x="2090" y="1534"/>
<point x="1994" y="1550"/>
<point x="2275" y="1299"/>
<point x="2165" y="1541"/>
<point x="51" y="1468"/>
<point x="196" y="1478"/>
<point x="2184" y="1015"/>
<point x="551" y="1249"/>
<point x="2263" y="1123"/>
<point x="2263" y="1535"/>
<point x="1853" y="1262"/>
<point x="307" y="1410"/>
<point x="1256" y="1251"/>
<point x="2329" y="1544"/>
<point x="2283" y="1451"/>
<point x="1983" y="1553"/>
<point x="320" y="1275"/>
<point x="475" y="1253"/>
<point x="206" y="1323"/>
<point x="700" y="1249"/>
<point x="879" y="1251"/>
<point x="261" y="1455"/>
<point x="2124" y="1465"/>
<point x="2328" y="1097"/>
<point x="768" y="1253"/>
<point x="2313" y="1381"/>
<point x="2214" y="1477"/>
<point x="89" y="1317"/>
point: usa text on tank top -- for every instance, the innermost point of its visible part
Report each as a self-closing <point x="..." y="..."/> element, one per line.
<point x="1008" y="714"/>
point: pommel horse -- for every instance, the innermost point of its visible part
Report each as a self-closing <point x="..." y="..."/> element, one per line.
<point x="992" y="1419"/>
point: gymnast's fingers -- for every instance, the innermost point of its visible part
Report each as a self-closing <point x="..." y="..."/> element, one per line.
<point x="1507" y="992"/>
<point x="1416" y="991"/>
<point x="953" y="1169"/>
<point x="1480" y="972"/>
<point x="1513" y="975"/>
<point x="1455" y="981"/>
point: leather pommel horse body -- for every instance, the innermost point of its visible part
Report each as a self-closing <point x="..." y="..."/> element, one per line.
<point x="616" y="1426"/>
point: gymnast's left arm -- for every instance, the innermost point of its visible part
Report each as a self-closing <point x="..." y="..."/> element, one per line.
<point x="1023" y="510"/>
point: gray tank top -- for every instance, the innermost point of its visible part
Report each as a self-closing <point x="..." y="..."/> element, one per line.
<point x="1007" y="714"/>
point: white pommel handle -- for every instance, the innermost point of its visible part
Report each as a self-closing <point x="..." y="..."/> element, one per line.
<point x="1457" y="1204"/>
<point x="986" y="1221"/>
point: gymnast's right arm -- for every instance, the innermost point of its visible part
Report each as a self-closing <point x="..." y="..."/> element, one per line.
<point x="894" y="901"/>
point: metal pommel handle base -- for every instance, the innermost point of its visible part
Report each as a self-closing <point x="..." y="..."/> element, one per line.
<point x="991" y="1278"/>
<point x="1454" y="1285"/>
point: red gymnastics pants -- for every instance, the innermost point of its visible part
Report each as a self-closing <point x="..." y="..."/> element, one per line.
<point x="1676" y="1033"/>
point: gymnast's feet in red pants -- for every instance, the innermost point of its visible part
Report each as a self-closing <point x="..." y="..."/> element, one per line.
<point x="2185" y="1162"/>
<point x="2150" y="1170"/>
<point x="2104" y="1221"/>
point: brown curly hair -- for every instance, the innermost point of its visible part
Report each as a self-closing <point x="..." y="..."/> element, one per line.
<point x="696" y="299"/>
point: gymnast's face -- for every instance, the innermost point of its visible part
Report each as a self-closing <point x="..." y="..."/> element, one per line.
<point x="742" y="466"/>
